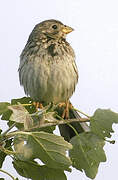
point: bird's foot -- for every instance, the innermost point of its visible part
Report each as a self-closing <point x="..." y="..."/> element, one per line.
<point x="38" y="105"/>
<point x="67" y="105"/>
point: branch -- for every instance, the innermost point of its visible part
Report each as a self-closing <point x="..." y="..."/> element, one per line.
<point x="49" y="123"/>
<point x="58" y="122"/>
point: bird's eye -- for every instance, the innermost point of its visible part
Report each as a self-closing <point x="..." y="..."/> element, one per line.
<point x="54" y="26"/>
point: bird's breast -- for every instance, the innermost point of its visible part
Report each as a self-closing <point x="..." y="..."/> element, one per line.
<point x="51" y="74"/>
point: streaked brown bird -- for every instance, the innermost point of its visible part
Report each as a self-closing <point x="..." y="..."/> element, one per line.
<point x="47" y="69"/>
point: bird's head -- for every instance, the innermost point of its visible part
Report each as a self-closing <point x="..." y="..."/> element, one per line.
<point x="53" y="29"/>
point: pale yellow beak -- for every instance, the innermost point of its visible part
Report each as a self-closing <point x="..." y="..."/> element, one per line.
<point x="67" y="29"/>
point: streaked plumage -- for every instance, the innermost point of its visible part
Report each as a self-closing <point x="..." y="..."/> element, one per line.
<point x="47" y="68"/>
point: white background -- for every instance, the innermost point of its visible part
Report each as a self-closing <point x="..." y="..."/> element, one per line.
<point x="95" y="41"/>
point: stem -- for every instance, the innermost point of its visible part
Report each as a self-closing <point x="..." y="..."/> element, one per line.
<point x="81" y="112"/>
<point x="111" y="142"/>
<point x="36" y="113"/>
<point x="59" y="117"/>
<point x="26" y="104"/>
<point x="6" y="151"/>
<point x="7" y="174"/>
<point x="58" y="122"/>
<point x="73" y="129"/>
<point x="4" y="133"/>
<point x="11" y="134"/>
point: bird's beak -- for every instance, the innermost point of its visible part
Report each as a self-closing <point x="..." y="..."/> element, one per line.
<point x="67" y="29"/>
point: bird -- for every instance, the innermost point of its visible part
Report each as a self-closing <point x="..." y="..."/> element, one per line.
<point x="47" y="69"/>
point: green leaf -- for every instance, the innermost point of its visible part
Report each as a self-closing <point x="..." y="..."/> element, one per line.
<point x="2" y="158"/>
<point x="6" y="115"/>
<point x="49" y="148"/>
<point x="25" y="100"/>
<point x="35" y="172"/>
<point x="101" y="122"/>
<point x="49" y="129"/>
<point x="21" y="115"/>
<point x="36" y="123"/>
<point x="3" y="107"/>
<point x="87" y="153"/>
<point x="2" y="154"/>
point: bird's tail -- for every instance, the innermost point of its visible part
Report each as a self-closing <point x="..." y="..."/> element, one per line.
<point x="67" y="132"/>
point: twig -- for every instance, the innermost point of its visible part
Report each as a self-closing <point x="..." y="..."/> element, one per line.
<point x="54" y="123"/>
<point x="58" y="122"/>
<point x="81" y="112"/>
<point x="4" y="133"/>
